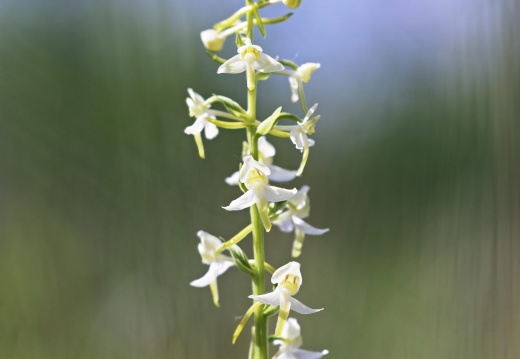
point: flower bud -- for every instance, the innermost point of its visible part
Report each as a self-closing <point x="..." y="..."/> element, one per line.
<point x="293" y="4"/>
<point x="212" y="40"/>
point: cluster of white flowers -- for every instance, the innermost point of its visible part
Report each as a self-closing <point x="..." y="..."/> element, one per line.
<point x="285" y="208"/>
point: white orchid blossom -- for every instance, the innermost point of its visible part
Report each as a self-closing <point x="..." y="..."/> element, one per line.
<point x="266" y="152"/>
<point x="253" y="175"/>
<point x="291" y="343"/>
<point x="298" y="134"/>
<point x="299" y="76"/>
<point x="201" y="112"/>
<point x="218" y="263"/>
<point x="288" y="279"/>
<point x="298" y="207"/>
<point x="250" y="59"/>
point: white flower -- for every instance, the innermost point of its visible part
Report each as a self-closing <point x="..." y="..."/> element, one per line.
<point x="201" y="112"/>
<point x="288" y="279"/>
<point x="249" y="59"/>
<point x="212" y="40"/>
<point x="299" y="76"/>
<point x="254" y="175"/>
<point x="266" y="152"/>
<point x="298" y="207"/>
<point x="291" y="343"/>
<point x="298" y="134"/>
<point x="218" y="263"/>
<point x="306" y="127"/>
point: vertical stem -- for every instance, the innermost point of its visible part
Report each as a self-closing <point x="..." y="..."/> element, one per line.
<point x="259" y="340"/>
<point x="261" y="349"/>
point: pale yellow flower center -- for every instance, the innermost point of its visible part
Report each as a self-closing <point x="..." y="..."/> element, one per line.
<point x="291" y="283"/>
<point x="255" y="176"/>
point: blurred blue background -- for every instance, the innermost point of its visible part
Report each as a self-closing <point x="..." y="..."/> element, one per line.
<point x="415" y="171"/>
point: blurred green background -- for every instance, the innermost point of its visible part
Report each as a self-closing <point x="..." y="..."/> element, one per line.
<point x="415" y="171"/>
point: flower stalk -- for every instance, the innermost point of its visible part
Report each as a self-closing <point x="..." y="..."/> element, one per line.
<point x="267" y="204"/>
<point x="260" y="347"/>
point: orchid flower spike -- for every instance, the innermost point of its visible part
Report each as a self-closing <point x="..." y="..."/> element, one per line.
<point x="266" y="152"/>
<point x="288" y="280"/>
<point x="253" y="175"/>
<point x="218" y="263"/>
<point x="249" y="59"/>
<point x="299" y="76"/>
<point x="298" y="207"/>
<point x="291" y="343"/>
<point x="201" y="112"/>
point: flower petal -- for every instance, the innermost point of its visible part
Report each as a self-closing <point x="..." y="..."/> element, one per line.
<point x="210" y="130"/>
<point x="279" y="174"/>
<point x="233" y="179"/>
<point x="284" y="222"/>
<point x="266" y="63"/>
<point x="209" y="277"/>
<point x="301" y="308"/>
<point x="271" y="298"/>
<point x="298" y="137"/>
<point x="310" y="112"/>
<point x="307" y="228"/>
<point x="234" y="65"/>
<point x="224" y="266"/>
<point x="266" y="149"/>
<point x="305" y="70"/>
<point x="208" y="242"/>
<point x="244" y="201"/>
<point x="277" y="194"/>
<point x="301" y="198"/>
<point x="195" y="96"/>
<point x="289" y="268"/>
<point x="197" y="126"/>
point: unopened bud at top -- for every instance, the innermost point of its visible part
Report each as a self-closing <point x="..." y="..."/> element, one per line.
<point x="212" y="40"/>
<point x="293" y="4"/>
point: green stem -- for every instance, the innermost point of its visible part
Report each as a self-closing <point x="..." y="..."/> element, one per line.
<point x="260" y="337"/>
<point x="261" y="349"/>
